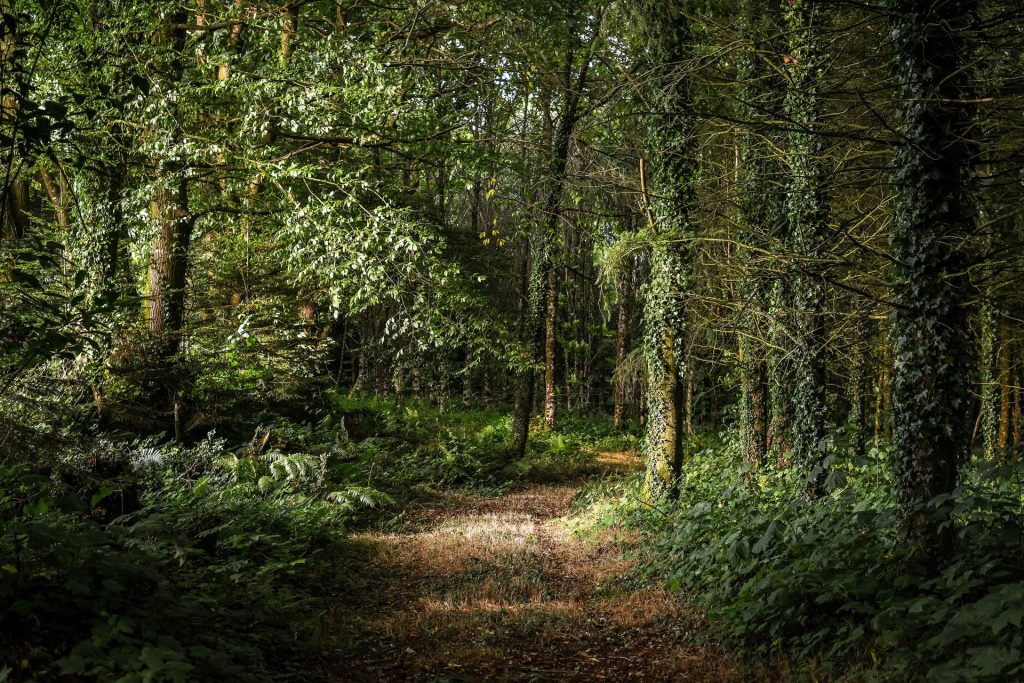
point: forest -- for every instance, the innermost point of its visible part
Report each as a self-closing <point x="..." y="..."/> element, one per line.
<point x="521" y="340"/>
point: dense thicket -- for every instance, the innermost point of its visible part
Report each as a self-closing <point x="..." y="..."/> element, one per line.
<point x="782" y="239"/>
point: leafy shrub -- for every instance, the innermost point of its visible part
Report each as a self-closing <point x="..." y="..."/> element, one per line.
<point x="832" y="579"/>
<point x="168" y="592"/>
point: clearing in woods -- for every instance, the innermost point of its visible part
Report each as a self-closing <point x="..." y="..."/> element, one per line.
<point x="500" y="588"/>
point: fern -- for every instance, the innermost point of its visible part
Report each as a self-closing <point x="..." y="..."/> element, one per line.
<point x="360" y="496"/>
<point x="295" y="466"/>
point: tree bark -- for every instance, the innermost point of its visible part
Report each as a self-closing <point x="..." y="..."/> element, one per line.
<point x="621" y="349"/>
<point x="168" y="267"/>
<point x="807" y="211"/>
<point x="1003" y="442"/>
<point x="550" y="329"/>
<point x="289" y="30"/>
<point x="670" y="200"/>
<point x="760" y="98"/>
<point x="932" y="345"/>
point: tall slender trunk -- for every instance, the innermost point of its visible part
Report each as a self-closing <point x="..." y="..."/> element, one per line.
<point x="550" y="329"/>
<point x="467" y="380"/>
<point x="487" y="391"/>
<point x="860" y="387"/>
<point x="760" y="98"/>
<point x="541" y="245"/>
<point x="14" y="189"/>
<point x="398" y="384"/>
<point x="781" y="373"/>
<point x="1003" y="441"/>
<point x="932" y="344"/>
<point x="621" y="348"/>
<point x="688" y="406"/>
<point x="1015" y="413"/>
<point x="671" y="198"/>
<point x="807" y="210"/>
<point x="169" y="250"/>
<point x="989" y="343"/>
<point x="755" y="404"/>
<point x="114" y="271"/>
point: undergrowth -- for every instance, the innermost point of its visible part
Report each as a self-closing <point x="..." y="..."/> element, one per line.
<point x="830" y="583"/>
<point x="139" y="559"/>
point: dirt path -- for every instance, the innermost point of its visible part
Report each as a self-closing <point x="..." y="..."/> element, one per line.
<point x="482" y="588"/>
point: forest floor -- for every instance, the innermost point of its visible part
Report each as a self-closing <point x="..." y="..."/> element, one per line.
<point x="478" y="588"/>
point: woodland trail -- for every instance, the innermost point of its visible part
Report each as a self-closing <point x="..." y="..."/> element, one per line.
<point x="478" y="588"/>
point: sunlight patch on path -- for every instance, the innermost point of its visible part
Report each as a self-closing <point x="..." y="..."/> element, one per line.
<point x="483" y="588"/>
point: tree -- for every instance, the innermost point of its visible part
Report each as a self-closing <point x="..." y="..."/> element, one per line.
<point x="759" y="92"/>
<point x="807" y="214"/>
<point x="670" y="192"/>
<point x="541" y="292"/>
<point x="934" y="216"/>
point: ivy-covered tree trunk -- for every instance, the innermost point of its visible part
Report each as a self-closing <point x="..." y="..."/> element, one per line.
<point x="989" y="385"/>
<point x="807" y="214"/>
<point x="1005" y="409"/>
<point x="621" y="349"/>
<point x="860" y="386"/>
<point x="1015" y="409"/>
<point x="550" y="339"/>
<point x="781" y="375"/>
<point x="932" y="347"/>
<point x="759" y="98"/>
<point x="671" y="188"/>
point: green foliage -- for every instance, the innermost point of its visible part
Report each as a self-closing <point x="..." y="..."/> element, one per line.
<point x="139" y="560"/>
<point x="417" y="446"/>
<point x="157" y="574"/>
<point x="833" y="580"/>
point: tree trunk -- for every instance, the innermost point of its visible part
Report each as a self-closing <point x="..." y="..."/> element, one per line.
<point x="807" y="211"/>
<point x="670" y="201"/>
<point x="14" y="211"/>
<point x="233" y="42"/>
<point x="1015" y="429"/>
<point x="541" y="246"/>
<point x="289" y="29"/>
<point x="860" y="388"/>
<point x="621" y="348"/>
<point x="1003" y="442"/>
<point x="932" y="347"/>
<point x="168" y="267"/>
<point x="759" y="97"/>
<point x="989" y="418"/>
<point x="467" y="381"/>
<point x="169" y="253"/>
<point x="781" y="374"/>
<point x="550" y="325"/>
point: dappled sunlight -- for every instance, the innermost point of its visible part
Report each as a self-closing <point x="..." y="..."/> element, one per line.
<point x="499" y="587"/>
<point x="619" y="461"/>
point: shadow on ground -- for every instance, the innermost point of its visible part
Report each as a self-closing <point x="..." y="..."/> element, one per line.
<point x="479" y="588"/>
